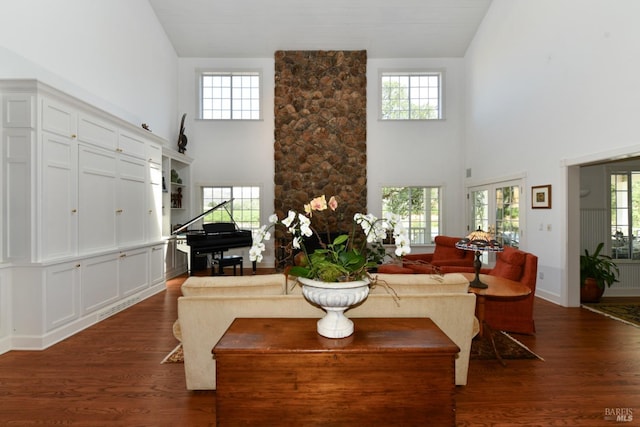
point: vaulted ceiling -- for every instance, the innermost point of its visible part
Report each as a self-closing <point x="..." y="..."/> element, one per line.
<point x="257" y="28"/>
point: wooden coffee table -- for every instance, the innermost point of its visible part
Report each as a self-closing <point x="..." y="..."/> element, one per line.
<point x="498" y="288"/>
<point x="393" y="371"/>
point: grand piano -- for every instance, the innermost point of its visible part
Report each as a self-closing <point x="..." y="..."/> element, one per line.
<point x="215" y="238"/>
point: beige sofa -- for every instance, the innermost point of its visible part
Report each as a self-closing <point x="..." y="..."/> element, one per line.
<point x="210" y="304"/>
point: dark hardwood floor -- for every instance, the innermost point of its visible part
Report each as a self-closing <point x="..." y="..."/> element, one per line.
<point x="110" y="375"/>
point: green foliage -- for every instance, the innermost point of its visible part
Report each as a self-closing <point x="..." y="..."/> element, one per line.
<point x="599" y="267"/>
<point x="403" y="201"/>
<point x="376" y="253"/>
<point x="396" y="104"/>
<point x="336" y="262"/>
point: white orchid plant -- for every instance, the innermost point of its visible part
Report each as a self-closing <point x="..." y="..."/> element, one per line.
<point x="339" y="260"/>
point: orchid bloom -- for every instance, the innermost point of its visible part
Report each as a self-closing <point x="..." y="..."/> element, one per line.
<point x="255" y="253"/>
<point x="305" y="226"/>
<point x="400" y="235"/>
<point x="333" y="203"/>
<point x="289" y="219"/>
<point x="299" y="225"/>
<point x="374" y="229"/>
<point x="319" y="203"/>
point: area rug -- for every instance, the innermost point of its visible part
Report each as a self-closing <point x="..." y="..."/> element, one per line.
<point x="175" y="356"/>
<point x="626" y="313"/>
<point x="507" y="346"/>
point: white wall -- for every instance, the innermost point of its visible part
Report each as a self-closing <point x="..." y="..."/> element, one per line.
<point x="229" y="152"/>
<point x="111" y="53"/>
<point x="418" y="153"/>
<point x="549" y="83"/>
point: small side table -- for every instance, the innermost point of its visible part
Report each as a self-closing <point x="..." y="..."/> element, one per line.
<point x="497" y="288"/>
<point x="395" y="371"/>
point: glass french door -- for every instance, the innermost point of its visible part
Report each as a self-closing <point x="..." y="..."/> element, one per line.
<point x="496" y="208"/>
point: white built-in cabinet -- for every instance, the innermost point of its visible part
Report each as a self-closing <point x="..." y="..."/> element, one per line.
<point x="82" y="214"/>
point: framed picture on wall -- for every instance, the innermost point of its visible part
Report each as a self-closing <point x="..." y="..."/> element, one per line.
<point x="541" y="197"/>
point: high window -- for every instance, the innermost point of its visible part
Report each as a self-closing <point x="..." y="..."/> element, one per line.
<point x="411" y="96"/>
<point x="230" y="96"/>
<point x="625" y="214"/>
<point x="419" y="208"/>
<point x="245" y="208"/>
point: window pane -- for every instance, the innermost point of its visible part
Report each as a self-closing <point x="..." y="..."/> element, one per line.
<point x="625" y="215"/>
<point x="245" y="208"/>
<point x="508" y="215"/>
<point x="419" y="208"/>
<point x="230" y="96"/>
<point x="411" y="96"/>
<point x="480" y="210"/>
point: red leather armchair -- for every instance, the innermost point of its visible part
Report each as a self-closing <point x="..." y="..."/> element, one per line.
<point x="510" y="315"/>
<point x="445" y="254"/>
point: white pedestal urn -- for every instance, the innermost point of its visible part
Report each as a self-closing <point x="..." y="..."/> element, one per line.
<point x="335" y="298"/>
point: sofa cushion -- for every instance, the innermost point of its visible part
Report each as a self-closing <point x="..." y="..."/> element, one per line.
<point x="509" y="264"/>
<point x="263" y="284"/>
<point x="419" y="283"/>
<point x="394" y="269"/>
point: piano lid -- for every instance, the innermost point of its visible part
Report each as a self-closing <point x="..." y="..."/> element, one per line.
<point x="202" y="215"/>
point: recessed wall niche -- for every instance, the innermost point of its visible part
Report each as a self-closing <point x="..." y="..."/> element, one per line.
<point x="320" y="132"/>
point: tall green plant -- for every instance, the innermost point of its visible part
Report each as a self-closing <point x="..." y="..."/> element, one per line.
<point x="599" y="267"/>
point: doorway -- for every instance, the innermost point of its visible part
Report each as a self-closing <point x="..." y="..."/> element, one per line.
<point x="496" y="207"/>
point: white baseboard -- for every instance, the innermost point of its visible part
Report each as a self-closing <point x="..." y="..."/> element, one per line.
<point x="30" y="342"/>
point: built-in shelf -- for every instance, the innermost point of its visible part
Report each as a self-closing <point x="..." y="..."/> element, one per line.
<point x="176" y="259"/>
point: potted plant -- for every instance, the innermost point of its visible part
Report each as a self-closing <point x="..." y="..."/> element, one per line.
<point x="596" y="270"/>
<point x="335" y="276"/>
<point x="345" y="258"/>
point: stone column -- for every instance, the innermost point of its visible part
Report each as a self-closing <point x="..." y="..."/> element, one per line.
<point x="320" y="132"/>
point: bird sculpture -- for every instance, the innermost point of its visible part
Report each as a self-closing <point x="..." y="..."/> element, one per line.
<point x="182" y="138"/>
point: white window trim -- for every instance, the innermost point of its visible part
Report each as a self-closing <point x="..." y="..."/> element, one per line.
<point x="442" y="103"/>
<point x="442" y="211"/>
<point x="201" y="71"/>
<point x="200" y="186"/>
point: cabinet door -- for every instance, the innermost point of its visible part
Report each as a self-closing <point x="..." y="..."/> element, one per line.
<point x="99" y="282"/>
<point x="58" y="215"/>
<point x="97" y="132"/>
<point x="156" y="264"/>
<point x="97" y="183"/>
<point x="61" y="294"/>
<point x="154" y="202"/>
<point x="18" y="111"/>
<point x="58" y="118"/>
<point x="154" y="152"/>
<point x="16" y="218"/>
<point x="133" y="271"/>
<point x="132" y="145"/>
<point x="176" y="258"/>
<point x="132" y="212"/>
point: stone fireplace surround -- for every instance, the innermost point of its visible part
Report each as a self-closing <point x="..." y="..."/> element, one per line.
<point x="320" y="133"/>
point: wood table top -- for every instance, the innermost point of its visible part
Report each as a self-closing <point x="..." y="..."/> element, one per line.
<point x="295" y="335"/>
<point x="499" y="287"/>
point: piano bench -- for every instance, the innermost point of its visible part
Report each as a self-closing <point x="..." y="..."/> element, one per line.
<point x="227" y="261"/>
